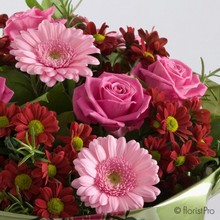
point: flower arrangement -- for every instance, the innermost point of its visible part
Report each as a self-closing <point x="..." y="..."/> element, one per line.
<point x="97" y="122"/>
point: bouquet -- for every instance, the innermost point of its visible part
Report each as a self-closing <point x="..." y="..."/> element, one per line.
<point x="97" y="122"/>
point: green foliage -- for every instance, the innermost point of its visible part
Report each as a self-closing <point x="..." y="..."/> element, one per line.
<point x="57" y="99"/>
<point x="18" y="205"/>
<point x="33" y="3"/>
<point x="20" y="83"/>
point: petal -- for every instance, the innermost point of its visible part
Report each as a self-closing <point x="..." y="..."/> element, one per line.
<point x="103" y="199"/>
<point x="86" y="180"/>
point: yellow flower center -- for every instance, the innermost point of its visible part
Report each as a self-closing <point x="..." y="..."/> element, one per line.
<point x="55" y="55"/>
<point x="156" y="155"/>
<point x="114" y="178"/>
<point x="180" y="161"/>
<point x="77" y="143"/>
<point x="52" y="170"/>
<point x="55" y="206"/>
<point x="99" y="37"/>
<point x="37" y="127"/>
<point x="23" y="181"/>
<point x="148" y="54"/>
<point x="202" y="141"/>
<point x="156" y="124"/>
<point x="3" y="121"/>
<point x="172" y="124"/>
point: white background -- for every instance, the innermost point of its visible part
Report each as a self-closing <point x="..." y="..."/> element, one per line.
<point x="192" y="28"/>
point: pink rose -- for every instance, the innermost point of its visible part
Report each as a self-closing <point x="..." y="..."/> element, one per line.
<point x="116" y="101"/>
<point x="5" y="93"/>
<point x="172" y="77"/>
<point x="21" y="21"/>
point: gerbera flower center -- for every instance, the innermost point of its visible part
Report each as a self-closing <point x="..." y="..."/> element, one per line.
<point x="4" y="122"/>
<point x="77" y="143"/>
<point x="55" y="206"/>
<point x="115" y="177"/>
<point x="180" y="161"/>
<point x="52" y="170"/>
<point x="55" y="54"/>
<point x="99" y="37"/>
<point x="171" y="124"/>
<point x="36" y="126"/>
<point x="23" y="181"/>
<point x="156" y="155"/>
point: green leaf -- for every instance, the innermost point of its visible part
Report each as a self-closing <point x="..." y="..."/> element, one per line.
<point x="58" y="100"/>
<point x="211" y="100"/>
<point x="215" y="128"/>
<point x="58" y="11"/>
<point x="65" y="119"/>
<point x="33" y="3"/>
<point x="19" y="82"/>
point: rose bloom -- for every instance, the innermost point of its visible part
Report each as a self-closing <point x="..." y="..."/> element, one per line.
<point x="5" y="93"/>
<point x="21" y="21"/>
<point x="172" y="77"/>
<point x="115" y="176"/>
<point x="116" y="101"/>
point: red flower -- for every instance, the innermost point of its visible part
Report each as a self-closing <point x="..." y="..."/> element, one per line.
<point x="106" y="42"/>
<point x="3" y="19"/>
<point x="203" y="140"/>
<point x="157" y="96"/>
<point x="198" y="114"/>
<point x="39" y="119"/>
<point x="56" y="201"/>
<point x="56" y="169"/>
<point x="160" y="152"/>
<point x="80" y="136"/>
<point x="5" y="57"/>
<point x="172" y="120"/>
<point x="183" y="159"/>
<point x="7" y="114"/>
<point x="20" y="176"/>
<point x="151" y="45"/>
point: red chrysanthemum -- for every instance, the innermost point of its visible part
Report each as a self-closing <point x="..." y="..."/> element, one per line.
<point x="150" y="46"/>
<point x="160" y="152"/>
<point x="203" y="140"/>
<point x="56" y="201"/>
<point x="3" y="19"/>
<point x="80" y="136"/>
<point x="198" y="114"/>
<point x="173" y="121"/>
<point x="21" y="177"/>
<point x="157" y="96"/>
<point x="7" y="115"/>
<point x="106" y="42"/>
<point x="56" y="169"/>
<point x="183" y="158"/>
<point x="39" y="119"/>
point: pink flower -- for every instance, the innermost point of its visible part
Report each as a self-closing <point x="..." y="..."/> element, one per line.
<point x="115" y="176"/>
<point x="172" y="77"/>
<point x="54" y="52"/>
<point x="21" y="21"/>
<point x="116" y="101"/>
<point x="5" y="93"/>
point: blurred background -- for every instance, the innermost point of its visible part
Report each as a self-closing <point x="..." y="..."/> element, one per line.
<point x="191" y="27"/>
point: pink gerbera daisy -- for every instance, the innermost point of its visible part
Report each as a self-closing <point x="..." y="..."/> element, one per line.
<point x="115" y="176"/>
<point x="54" y="52"/>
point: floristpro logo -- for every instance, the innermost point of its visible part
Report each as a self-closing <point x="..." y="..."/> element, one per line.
<point x="193" y="211"/>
